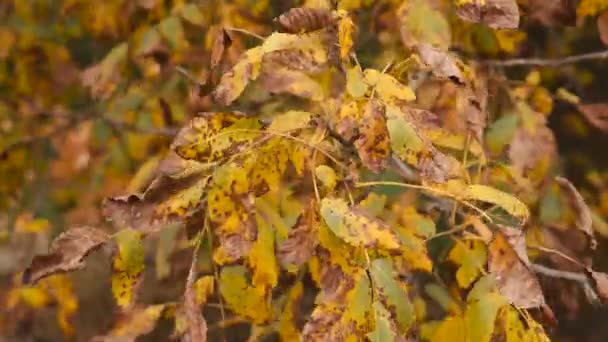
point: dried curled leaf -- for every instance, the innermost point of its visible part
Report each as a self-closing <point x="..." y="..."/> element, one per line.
<point x="166" y="201"/>
<point x="304" y="19"/>
<point x="302" y="240"/>
<point x="583" y="214"/>
<point x="442" y="65"/>
<point x="356" y="227"/>
<point x="498" y="14"/>
<point x="596" y="114"/>
<point x="67" y="253"/>
<point x="514" y="279"/>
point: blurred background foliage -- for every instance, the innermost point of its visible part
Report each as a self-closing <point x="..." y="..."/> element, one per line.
<point x="91" y="93"/>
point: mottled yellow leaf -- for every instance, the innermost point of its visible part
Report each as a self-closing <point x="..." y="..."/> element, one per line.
<point x="356" y="227"/>
<point x="391" y="91"/>
<point x="392" y="294"/>
<point x="128" y="266"/>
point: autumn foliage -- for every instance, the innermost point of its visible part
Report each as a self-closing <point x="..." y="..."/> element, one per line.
<point x="303" y="170"/>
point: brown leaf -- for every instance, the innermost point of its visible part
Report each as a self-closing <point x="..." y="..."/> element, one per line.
<point x="528" y="149"/>
<point x="441" y="63"/>
<point x="583" y="214"/>
<point x="301" y="240"/>
<point x="596" y="114"/>
<point x="497" y="14"/>
<point x="509" y="264"/>
<point x="601" y="284"/>
<point x="553" y="13"/>
<point x="373" y="144"/>
<point x="602" y="27"/>
<point x="142" y="211"/>
<point x="67" y="253"/>
<point x="304" y="19"/>
<point x="221" y="42"/>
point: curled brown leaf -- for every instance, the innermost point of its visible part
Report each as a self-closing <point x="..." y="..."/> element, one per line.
<point x="583" y="213"/>
<point x="67" y="253"/>
<point x="596" y="114"/>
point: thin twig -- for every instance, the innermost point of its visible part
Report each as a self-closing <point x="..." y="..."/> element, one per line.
<point x="182" y="71"/>
<point x="574" y="276"/>
<point x="246" y="32"/>
<point x="548" y="62"/>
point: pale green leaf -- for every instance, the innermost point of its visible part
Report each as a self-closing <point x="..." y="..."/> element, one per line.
<point x="392" y="294"/>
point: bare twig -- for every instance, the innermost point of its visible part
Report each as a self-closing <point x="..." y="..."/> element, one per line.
<point x="580" y="278"/>
<point x="182" y="71"/>
<point x="547" y="62"/>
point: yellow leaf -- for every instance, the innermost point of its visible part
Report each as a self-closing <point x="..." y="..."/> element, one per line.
<point x="261" y="257"/>
<point x="327" y="176"/>
<point x="491" y="195"/>
<point x="452" y="328"/>
<point x="290" y="121"/>
<point x="234" y="81"/>
<point x="288" y="331"/>
<point x="346" y="29"/>
<point x="356" y="227"/>
<point x="203" y="288"/>
<point x="590" y="7"/>
<point x="390" y="90"/>
<point x="128" y="266"/>
<point x="247" y="301"/>
<point x="471" y="255"/>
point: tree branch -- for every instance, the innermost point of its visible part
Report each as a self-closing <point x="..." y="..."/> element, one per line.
<point x="547" y="61"/>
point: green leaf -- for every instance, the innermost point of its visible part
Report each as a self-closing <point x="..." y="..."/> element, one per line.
<point x="383" y="331"/>
<point x="488" y="194"/>
<point x="392" y="294"/>
<point x="356" y="227"/>
<point x="501" y="132"/>
<point x="483" y="304"/>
